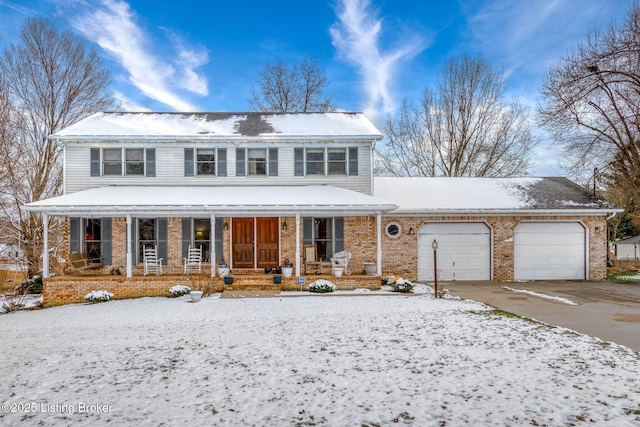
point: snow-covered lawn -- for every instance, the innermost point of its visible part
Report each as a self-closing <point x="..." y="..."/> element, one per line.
<point x="333" y="361"/>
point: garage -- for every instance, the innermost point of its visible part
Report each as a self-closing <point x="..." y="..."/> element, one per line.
<point x="464" y="251"/>
<point x="550" y="251"/>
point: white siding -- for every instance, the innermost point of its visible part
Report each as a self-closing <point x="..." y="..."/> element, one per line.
<point x="170" y="166"/>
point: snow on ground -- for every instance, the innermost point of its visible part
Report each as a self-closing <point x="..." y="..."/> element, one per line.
<point x="539" y="295"/>
<point x="25" y="300"/>
<point x="363" y="360"/>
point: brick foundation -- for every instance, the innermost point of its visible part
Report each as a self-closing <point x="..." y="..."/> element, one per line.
<point x="72" y="289"/>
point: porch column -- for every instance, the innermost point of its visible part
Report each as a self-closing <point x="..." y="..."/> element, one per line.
<point x="297" y="245"/>
<point x="129" y="244"/>
<point x="212" y="245"/>
<point x="379" y="244"/>
<point x="45" y="246"/>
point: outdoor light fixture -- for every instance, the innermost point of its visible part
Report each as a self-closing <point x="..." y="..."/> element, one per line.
<point x="225" y="226"/>
<point x="434" y="245"/>
<point x="284" y="225"/>
<point x="411" y="231"/>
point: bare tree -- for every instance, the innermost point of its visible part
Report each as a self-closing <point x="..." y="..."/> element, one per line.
<point x="460" y="128"/>
<point x="51" y="82"/>
<point x="295" y="89"/>
<point x="591" y="108"/>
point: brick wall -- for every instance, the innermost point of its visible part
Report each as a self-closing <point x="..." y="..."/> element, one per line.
<point x="400" y="255"/>
<point x="68" y="289"/>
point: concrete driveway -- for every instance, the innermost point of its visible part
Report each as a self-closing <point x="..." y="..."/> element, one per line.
<point x="607" y="310"/>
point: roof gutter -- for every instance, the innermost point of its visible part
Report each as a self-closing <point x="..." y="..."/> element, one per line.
<point x="504" y="212"/>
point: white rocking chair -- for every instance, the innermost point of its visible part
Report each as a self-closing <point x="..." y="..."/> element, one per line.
<point x="152" y="264"/>
<point x="193" y="261"/>
<point x="341" y="259"/>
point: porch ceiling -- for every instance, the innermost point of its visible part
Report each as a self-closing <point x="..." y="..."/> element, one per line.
<point x="190" y="200"/>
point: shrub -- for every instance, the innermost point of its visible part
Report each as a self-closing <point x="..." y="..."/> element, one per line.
<point x="321" y="286"/>
<point x="402" y="285"/>
<point x="98" y="296"/>
<point x="31" y="286"/>
<point x="179" y="290"/>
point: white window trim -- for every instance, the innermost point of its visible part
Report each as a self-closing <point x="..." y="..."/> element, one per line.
<point x="123" y="161"/>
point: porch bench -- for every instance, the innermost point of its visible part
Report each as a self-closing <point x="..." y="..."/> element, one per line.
<point x="80" y="262"/>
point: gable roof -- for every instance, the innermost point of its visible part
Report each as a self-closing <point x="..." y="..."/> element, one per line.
<point x="441" y="195"/>
<point x="221" y="126"/>
<point x="632" y="239"/>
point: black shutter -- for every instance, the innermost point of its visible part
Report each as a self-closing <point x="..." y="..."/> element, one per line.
<point x="240" y="164"/>
<point x="162" y="230"/>
<point x="307" y="230"/>
<point x="218" y="241"/>
<point x="298" y="161"/>
<point x="222" y="161"/>
<point x="338" y="228"/>
<point x="186" y="236"/>
<point x="106" y="241"/>
<point x="95" y="162"/>
<point x="273" y="162"/>
<point x="188" y="162"/>
<point x="150" y="169"/>
<point x="353" y="161"/>
<point x="74" y="234"/>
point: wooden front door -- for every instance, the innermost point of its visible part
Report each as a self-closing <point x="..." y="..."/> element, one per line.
<point x="242" y="244"/>
<point x="267" y="242"/>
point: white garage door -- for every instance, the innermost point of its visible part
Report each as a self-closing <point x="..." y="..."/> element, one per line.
<point x="464" y="251"/>
<point x="549" y="250"/>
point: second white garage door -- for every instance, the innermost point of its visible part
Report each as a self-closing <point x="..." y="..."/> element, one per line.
<point x="549" y="250"/>
<point x="464" y="251"/>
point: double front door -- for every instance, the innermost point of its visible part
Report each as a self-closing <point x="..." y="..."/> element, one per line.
<point x="255" y="242"/>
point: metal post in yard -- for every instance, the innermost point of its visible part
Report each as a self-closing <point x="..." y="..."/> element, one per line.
<point x="434" y="245"/>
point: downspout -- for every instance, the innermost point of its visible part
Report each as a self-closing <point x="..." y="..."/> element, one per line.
<point x="45" y="246"/>
<point x="297" y="263"/>
<point x="213" y="256"/>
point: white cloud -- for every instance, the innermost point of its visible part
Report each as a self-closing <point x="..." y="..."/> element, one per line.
<point x="114" y="29"/>
<point x="357" y="38"/>
<point x="127" y="104"/>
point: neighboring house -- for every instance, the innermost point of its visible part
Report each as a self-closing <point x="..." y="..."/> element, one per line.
<point x="628" y="248"/>
<point x="254" y="188"/>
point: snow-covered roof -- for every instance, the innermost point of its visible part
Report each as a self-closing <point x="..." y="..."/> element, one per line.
<point x="221" y="125"/>
<point x="632" y="239"/>
<point x="465" y="194"/>
<point x="175" y="201"/>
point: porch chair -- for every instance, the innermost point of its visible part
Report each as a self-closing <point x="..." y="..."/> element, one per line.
<point x="341" y="259"/>
<point x="193" y="261"/>
<point x="311" y="259"/>
<point x="152" y="264"/>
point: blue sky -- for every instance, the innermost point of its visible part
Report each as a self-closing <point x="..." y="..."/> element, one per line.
<point x="206" y="55"/>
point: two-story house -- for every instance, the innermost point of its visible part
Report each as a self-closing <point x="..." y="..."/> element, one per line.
<point x="255" y="188"/>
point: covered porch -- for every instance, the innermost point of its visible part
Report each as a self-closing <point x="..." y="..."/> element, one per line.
<point x="251" y="228"/>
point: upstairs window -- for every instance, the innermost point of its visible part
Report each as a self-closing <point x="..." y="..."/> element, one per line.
<point x="112" y="161"/>
<point x="326" y="161"/>
<point x="206" y="161"/>
<point x="123" y="162"/>
<point x="134" y="161"/>
<point x="315" y="161"/>
<point x="337" y="161"/>
<point x="257" y="161"/>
